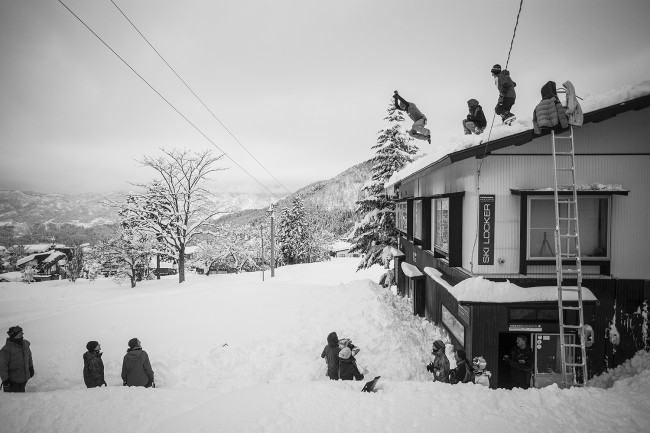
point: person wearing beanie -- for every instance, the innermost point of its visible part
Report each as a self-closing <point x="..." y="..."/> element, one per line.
<point x="475" y="122"/>
<point x="16" y="366"/>
<point x="419" y="120"/>
<point x="93" y="365"/>
<point x="440" y="364"/>
<point x="464" y="372"/>
<point x="507" y="94"/>
<point x="331" y="355"/>
<point x="348" y="369"/>
<point x="136" y="368"/>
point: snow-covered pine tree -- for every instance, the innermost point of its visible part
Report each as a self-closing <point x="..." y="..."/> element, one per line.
<point x="292" y="233"/>
<point x="375" y="228"/>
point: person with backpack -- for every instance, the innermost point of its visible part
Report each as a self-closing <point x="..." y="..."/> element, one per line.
<point x="475" y="122"/>
<point x="464" y="372"/>
<point x="419" y="120"/>
<point x="348" y="369"/>
<point x="507" y="94"/>
<point x="93" y="365"/>
<point x="136" y="369"/>
<point x="440" y="364"/>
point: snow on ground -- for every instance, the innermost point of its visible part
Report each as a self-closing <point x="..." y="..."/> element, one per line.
<point x="233" y="353"/>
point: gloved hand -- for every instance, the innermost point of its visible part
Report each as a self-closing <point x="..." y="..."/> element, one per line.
<point x="6" y="385"/>
<point x="105" y="384"/>
<point x="31" y="372"/>
<point x="124" y="383"/>
<point x="153" y="384"/>
<point x="469" y="117"/>
<point x="430" y="367"/>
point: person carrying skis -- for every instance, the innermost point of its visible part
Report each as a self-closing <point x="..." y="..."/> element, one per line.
<point x="475" y="121"/>
<point x="93" y="365"/>
<point x="507" y="94"/>
<point x="348" y="369"/>
<point x="440" y="365"/>
<point x="419" y="120"/>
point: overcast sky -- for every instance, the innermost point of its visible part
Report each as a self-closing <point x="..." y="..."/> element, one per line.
<point x="303" y="84"/>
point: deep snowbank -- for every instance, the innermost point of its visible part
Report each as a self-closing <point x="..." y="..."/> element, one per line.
<point x="233" y="353"/>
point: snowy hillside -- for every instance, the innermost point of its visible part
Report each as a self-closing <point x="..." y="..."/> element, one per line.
<point x="233" y="353"/>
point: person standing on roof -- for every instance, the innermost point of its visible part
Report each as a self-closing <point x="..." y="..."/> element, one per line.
<point x="507" y="94"/>
<point x="419" y="120"/>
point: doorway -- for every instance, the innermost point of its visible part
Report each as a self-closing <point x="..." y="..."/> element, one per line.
<point x="508" y="340"/>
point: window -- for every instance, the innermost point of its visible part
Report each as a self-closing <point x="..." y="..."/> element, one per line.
<point x="417" y="219"/>
<point x="440" y="222"/>
<point x="453" y="324"/>
<point x="400" y="217"/>
<point x="594" y="220"/>
<point x="534" y="315"/>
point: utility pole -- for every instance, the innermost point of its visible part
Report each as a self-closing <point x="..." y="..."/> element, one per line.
<point x="262" y="239"/>
<point x="271" y="213"/>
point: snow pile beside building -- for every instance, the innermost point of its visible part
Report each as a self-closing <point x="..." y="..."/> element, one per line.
<point x="632" y="371"/>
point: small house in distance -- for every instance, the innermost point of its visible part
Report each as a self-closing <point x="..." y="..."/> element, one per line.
<point x="485" y="214"/>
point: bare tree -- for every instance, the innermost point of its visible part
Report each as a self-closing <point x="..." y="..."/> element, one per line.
<point x="175" y="207"/>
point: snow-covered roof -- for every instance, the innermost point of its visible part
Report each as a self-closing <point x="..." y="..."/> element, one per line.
<point x="478" y="289"/>
<point x="589" y="104"/>
<point x="340" y="246"/>
<point x="395" y="252"/>
<point x="410" y="270"/>
<point x="38" y="248"/>
<point x="29" y="258"/>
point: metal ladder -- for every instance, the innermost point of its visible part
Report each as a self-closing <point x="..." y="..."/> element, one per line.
<point x="567" y="233"/>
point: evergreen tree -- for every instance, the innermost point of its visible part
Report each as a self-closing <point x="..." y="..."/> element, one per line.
<point x="292" y="233"/>
<point x="375" y="229"/>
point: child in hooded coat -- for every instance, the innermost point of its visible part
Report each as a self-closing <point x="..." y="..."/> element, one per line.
<point x="331" y="355"/>
<point x="136" y="368"/>
<point x="440" y="365"/>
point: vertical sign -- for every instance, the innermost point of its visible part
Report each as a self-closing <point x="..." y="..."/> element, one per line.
<point x="486" y="229"/>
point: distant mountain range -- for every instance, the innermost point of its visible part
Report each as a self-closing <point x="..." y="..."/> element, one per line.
<point x="23" y="208"/>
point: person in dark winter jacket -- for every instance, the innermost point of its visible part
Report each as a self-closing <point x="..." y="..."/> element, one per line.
<point x="464" y="372"/>
<point x="348" y="369"/>
<point x="136" y="369"/>
<point x="16" y="366"/>
<point x="440" y="365"/>
<point x="549" y="112"/>
<point x="475" y="122"/>
<point x="93" y="365"/>
<point x="507" y="94"/>
<point x="331" y="356"/>
<point x="521" y="363"/>
<point x="419" y="120"/>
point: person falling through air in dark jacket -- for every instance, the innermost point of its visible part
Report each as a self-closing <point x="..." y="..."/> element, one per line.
<point x="16" y="366"/>
<point x="136" y="369"/>
<point x="475" y="122"/>
<point x="419" y="120"/>
<point x="93" y="365"/>
<point x="507" y="94"/>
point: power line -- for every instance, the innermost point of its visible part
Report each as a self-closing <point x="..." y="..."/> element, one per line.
<point x="196" y="96"/>
<point x="165" y="99"/>
<point x="480" y="164"/>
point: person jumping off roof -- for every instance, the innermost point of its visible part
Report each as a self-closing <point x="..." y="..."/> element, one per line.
<point x="507" y="94"/>
<point x="419" y="120"/>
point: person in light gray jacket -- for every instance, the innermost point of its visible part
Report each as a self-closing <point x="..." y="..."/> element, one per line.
<point x="136" y="369"/>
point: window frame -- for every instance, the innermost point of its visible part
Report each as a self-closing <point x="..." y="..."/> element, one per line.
<point x="551" y="239"/>
<point x="401" y="217"/>
<point x="435" y="247"/>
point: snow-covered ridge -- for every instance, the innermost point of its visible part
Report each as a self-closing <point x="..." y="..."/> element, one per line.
<point x="589" y="103"/>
